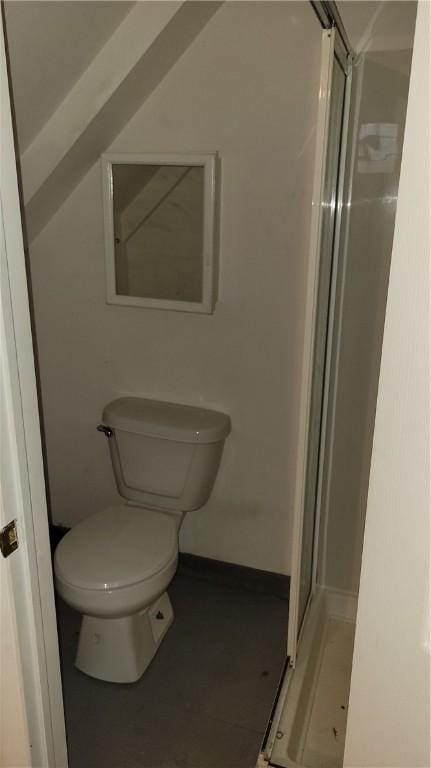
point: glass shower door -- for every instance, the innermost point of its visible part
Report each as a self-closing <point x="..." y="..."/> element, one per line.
<point x="329" y="207"/>
<point x="323" y="265"/>
<point x="324" y="236"/>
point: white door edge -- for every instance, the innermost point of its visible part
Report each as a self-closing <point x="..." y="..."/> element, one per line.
<point x="22" y="477"/>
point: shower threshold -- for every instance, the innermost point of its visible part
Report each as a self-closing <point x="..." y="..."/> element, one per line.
<point x="312" y="727"/>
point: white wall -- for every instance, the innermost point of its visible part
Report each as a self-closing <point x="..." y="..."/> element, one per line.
<point x="247" y="88"/>
<point x="380" y="99"/>
<point x="389" y="710"/>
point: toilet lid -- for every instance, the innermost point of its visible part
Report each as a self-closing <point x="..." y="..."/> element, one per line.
<point x="117" y="547"/>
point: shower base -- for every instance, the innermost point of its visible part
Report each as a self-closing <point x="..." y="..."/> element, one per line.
<point x="312" y="726"/>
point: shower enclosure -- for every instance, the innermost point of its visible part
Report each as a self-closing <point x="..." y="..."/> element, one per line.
<point x="311" y="717"/>
<point x="334" y="101"/>
<point x="362" y="107"/>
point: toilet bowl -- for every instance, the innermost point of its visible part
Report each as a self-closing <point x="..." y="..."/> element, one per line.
<point x="115" y="566"/>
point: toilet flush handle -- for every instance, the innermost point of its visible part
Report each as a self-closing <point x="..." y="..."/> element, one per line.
<point x="105" y="429"/>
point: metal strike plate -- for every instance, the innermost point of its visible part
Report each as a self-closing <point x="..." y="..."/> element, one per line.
<point x="9" y="539"/>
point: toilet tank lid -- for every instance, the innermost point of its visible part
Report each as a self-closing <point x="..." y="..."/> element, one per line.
<point x="156" y="418"/>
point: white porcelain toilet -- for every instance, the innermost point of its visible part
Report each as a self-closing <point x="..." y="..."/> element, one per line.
<point x="115" y="566"/>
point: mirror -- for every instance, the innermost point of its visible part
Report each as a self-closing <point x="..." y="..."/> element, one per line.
<point x="159" y="231"/>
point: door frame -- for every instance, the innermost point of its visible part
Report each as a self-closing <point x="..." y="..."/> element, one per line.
<point x="22" y="474"/>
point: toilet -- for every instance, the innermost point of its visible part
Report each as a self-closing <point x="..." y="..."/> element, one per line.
<point x="115" y="566"/>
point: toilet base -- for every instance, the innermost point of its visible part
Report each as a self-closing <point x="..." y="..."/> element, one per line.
<point x="120" y="650"/>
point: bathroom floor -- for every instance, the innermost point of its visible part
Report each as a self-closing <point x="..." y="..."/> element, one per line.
<point x="205" y="700"/>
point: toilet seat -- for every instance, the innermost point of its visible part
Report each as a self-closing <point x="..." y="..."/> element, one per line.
<point x="117" y="548"/>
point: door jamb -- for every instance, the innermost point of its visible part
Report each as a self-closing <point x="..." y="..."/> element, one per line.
<point x="31" y="570"/>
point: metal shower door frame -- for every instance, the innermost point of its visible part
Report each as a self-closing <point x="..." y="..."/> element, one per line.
<point x="332" y="50"/>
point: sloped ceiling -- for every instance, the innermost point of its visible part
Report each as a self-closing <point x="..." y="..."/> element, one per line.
<point x="50" y="46"/>
<point x="79" y="71"/>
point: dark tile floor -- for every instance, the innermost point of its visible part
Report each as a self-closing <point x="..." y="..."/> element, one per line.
<point x="204" y="701"/>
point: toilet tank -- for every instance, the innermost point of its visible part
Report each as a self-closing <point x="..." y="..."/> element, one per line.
<point x="164" y="455"/>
